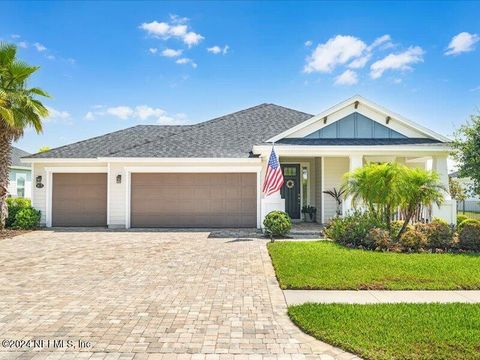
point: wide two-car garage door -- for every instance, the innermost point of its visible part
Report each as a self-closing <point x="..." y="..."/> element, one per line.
<point x="193" y="200"/>
<point x="79" y="199"/>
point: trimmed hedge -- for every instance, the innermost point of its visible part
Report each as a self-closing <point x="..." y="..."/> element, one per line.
<point x="21" y="214"/>
<point x="277" y="223"/>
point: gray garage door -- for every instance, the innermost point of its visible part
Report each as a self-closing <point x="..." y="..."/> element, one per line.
<point x="79" y="200"/>
<point x="193" y="200"/>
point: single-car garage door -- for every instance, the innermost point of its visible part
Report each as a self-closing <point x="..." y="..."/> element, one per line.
<point x="194" y="200"/>
<point x="79" y="199"/>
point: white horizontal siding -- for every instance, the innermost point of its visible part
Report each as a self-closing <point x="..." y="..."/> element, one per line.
<point x="334" y="170"/>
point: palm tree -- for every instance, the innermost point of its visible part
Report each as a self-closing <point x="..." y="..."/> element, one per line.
<point x="337" y="195"/>
<point x="419" y="188"/>
<point x="376" y="186"/>
<point x="19" y="109"/>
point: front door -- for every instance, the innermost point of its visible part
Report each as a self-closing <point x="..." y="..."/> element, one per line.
<point x="291" y="189"/>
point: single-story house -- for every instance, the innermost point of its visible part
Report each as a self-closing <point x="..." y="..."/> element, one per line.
<point x="19" y="175"/>
<point x="210" y="174"/>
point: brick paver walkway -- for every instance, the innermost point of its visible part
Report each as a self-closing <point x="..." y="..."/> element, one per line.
<point x="146" y="295"/>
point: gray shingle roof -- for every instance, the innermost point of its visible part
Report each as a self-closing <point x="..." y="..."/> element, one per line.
<point x="231" y="135"/>
<point x="371" y="142"/>
<point x="16" y="155"/>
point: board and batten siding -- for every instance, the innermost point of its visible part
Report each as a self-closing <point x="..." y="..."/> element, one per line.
<point x="334" y="169"/>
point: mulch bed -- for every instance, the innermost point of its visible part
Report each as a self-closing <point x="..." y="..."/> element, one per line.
<point x="10" y="233"/>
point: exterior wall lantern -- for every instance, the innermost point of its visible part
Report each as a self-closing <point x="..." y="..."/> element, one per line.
<point x="119" y="179"/>
<point x="38" y="181"/>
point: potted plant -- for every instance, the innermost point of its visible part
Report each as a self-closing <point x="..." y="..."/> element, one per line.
<point x="311" y="211"/>
<point x="337" y="195"/>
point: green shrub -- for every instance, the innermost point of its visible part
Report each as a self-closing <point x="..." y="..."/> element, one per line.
<point x="469" y="236"/>
<point x="14" y="206"/>
<point x="277" y="223"/>
<point x="27" y="218"/>
<point x="413" y="240"/>
<point x="461" y="218"/>
<point x="379" y="239"/>
<point x="466" y="221"/>
<point x="352" y="229"/>
<point x="439" y="234"/>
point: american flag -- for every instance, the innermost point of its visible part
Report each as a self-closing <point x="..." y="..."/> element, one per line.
<point x="274" y="177"/>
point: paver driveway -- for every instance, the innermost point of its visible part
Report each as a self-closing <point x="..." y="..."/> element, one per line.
<point x="159" y="295"/>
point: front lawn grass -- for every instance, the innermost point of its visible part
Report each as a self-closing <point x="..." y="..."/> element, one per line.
<point x="395" y="331"/>
<point x="329" y="266"/>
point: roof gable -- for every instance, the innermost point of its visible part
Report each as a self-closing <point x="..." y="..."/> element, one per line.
<point x="355" y="126"/>
<point x="357" y="104"/>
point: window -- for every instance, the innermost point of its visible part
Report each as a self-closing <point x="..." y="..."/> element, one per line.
<point x="21" y="185"/>
<point x="289" y="171"/>
<point x="304" y="185"/>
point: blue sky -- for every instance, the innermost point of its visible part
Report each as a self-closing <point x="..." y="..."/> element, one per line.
<point x="111" y="65"/>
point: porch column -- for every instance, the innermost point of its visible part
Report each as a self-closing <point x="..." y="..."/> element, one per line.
<point x="448" y="210"/>
<point x="356" y="161"/>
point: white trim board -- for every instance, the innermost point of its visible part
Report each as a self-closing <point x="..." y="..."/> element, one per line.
<point x="350" y="104"/>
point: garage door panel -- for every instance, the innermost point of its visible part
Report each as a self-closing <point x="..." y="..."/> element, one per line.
<point x="193" y="200"/>
<point x="79" y="199"/>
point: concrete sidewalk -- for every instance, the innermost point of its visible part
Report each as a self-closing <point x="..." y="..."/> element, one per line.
<point x="295" y="297"/>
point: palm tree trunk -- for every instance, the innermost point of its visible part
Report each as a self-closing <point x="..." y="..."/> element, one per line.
<point x="5" y="162"/>
<point x="408" y="217"/>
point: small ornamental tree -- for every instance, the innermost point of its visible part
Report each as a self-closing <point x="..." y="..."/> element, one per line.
<point x="456" y="189"/>
<point x="467" y="151"/>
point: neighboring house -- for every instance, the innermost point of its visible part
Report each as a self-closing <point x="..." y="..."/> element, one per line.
<point x="211" y="174"/>
<point x="472" y="201"/>
<point x="20" y="175"/>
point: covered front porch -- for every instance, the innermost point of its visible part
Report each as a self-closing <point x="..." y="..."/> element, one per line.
<point x="308" y="178"/>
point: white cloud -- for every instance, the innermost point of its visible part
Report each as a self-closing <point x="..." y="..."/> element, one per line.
<point x="156" y="28"/>
<point x="192" y="38"/>
<point x="176" y="29"/>
<point x="89" y="116"/>
<point x="214" y="49"/>
<point x="15" y="36"/>
<point x="22" y="44"/>
<point x="171" y="53"/>
<point x="122" y="112"/>
<point x="477" y="88"/>
<point x="360" y="62"/>
<point x="153" y="50"/>
<point x="336" y="51"/>
<point x="142" y="113"/>
<point x="401" y="61"/>
<point x="183" y="61"/>
<point x="380" y="41"/>
<point x="179" y="30"/>
<point x="348" y="77"/>
<point x="308" y="43"/>
<point x="50" y="57"/>
<point x="217" y="49"/>
<point x="463" y="42"/>
<point x="39" y="47"/>
<point x="54" y="115"/>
